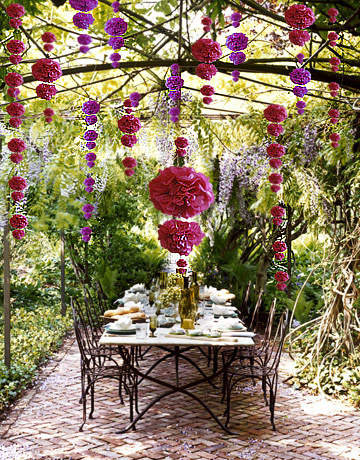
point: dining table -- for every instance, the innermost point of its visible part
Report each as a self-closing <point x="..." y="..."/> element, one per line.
<point x="175" y="349"/>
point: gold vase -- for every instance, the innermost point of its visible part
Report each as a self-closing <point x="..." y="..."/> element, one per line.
<point x="188" y="307"/>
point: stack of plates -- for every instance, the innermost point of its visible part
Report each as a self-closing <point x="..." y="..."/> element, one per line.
<point x="111" y="330"/>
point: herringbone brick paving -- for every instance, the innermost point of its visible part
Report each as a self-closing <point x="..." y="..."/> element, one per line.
<point x="44" y="423"/>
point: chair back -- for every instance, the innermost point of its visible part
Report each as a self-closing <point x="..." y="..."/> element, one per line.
<point x="271" y="358"/>
<point x="254" y="318"/>
<point x="245" y="299"/>
<point x="83" y="332"/>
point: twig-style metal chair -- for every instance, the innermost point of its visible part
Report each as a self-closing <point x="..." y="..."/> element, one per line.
<point x="264" y="367"/>
<point x="96" y="363"/>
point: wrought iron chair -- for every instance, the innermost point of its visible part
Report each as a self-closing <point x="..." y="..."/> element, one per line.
<point x="264" y="367"/>
<point x="96" y="363"/>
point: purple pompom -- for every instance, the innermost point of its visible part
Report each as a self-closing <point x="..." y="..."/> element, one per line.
<point x="84" y="39"/>
<point x="83" y="20"/>
<point x="90" y="119"/>
<point x="115" y="27"/>
<point x="116" y="43"/>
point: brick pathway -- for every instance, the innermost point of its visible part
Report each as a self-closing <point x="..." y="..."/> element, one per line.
<point x="44" y="424"/>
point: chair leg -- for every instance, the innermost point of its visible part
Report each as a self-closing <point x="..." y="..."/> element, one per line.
<point x="228" y="402"/>
<point x="273" y="392"/>
<point x="263" y="384"/>
<point x="252" y="362"/>
<point x="92" y="399"/>
<point x="225" y="376"/>
<point x="83" y="398"/>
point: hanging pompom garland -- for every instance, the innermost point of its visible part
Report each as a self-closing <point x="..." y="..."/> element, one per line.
<point x="116" y="28"/>
<point x="299" y="17"/>
<point x="128" y="124"/>
<point x="83" y="20"/>
<point x="16" y="110"/>
<point x="48" y="38"/>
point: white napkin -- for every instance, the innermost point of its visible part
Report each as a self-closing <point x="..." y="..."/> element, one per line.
<point x="230" y="323"/>
<point x="222" y="310"/>
<point x="122" y="324"/>
<point x="137" y="287"/>
<point x="217" y="298"/>
<point x="131" y="296"/>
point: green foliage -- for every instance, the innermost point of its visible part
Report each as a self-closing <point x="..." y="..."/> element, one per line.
<point x="35" y="335"/>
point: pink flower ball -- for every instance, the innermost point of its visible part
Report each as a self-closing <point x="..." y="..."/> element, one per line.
<point x="334" y="61"/>
<point x="332" y="19"/>
<point x="335" y="68"/>
<point x="275" y="150"/>
<point x="48" y="37"/>
<point x="334" y="137"/>
<point x="16" y="158"/>
<point x="15" y="109"/>
<point x="46" y="70"/>
<point x="207" y="90"/>
<point x="332" y="43"/>
<point x="275" y="129"/>
<point x="206" y="29"/>
<point x="48" y="47"/>
<point x="275" y="163"/>
<point x="15" y="47"/>
<point x="333" y="86"/>
<point x="15" y="10"/>
<point x="18" y="234"/>
<point x="207" y="100"/>
<point x="16" y="145"/>
<point x="206" y="21"/>
<point x="48" y="112"/>
<point x="333" y="93"/>
<point x="275" y="113"/>
<point x="335" y="145"/>
<point x="206" y="50"/>
<point x="13" y="79"/>
<point x="279" y="256"/>
<point x="181" y="142"/>
<point x="13" y="92"/>
<point x="129" y="124"/>
<point x="128" y="140"/>
<point x="276" y="178"/>
<point x="129" y="162"/>
<point x="299" y="16"/>
<point x="277" y="221"/>
<point x="333" y="12"/>
<point x="15" y="23"/>
<point x="206" y="71"/>
<point x="333" y="36"/>
<point x="281" y="286"/>
<point x="277" y="211"/>
<point x="17" y="183"/>
<point x="15" y="59"/>
<point x="279" y="246"/>
<point x="275" y="188"/>
<point x="17" y="196"/>
<point x="334" y="113"/>
<point x="282" y="277"/>
<point x="48" y="119"/>
<point x="334" y="121"/>
<point x="15" y="122"/>
<point x="129" y="172"/>
<point x="299" y="37"/>
<point x="46" y="92"/>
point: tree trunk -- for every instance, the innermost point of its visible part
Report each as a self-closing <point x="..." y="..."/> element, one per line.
<point x="261" y="274"/>
<point x="7" y="313"/>
<point x="62" y="271"/>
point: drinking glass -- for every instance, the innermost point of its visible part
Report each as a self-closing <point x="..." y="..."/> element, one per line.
<point x="141" y="330"/>
<point x="153" y="325"/>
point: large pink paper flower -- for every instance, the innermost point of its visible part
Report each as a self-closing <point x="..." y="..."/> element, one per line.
<point x="299" y="16"/>
<point x="282" y="277"/>
<point x="179" y="237"/>
<point x="206" y="71"/>
<point x="206" y="50"/>
<point x="181" y="192"/>
<point x="129" y="124"/>
<point x="46" y="70"/>
<point x="275" y="113"/>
